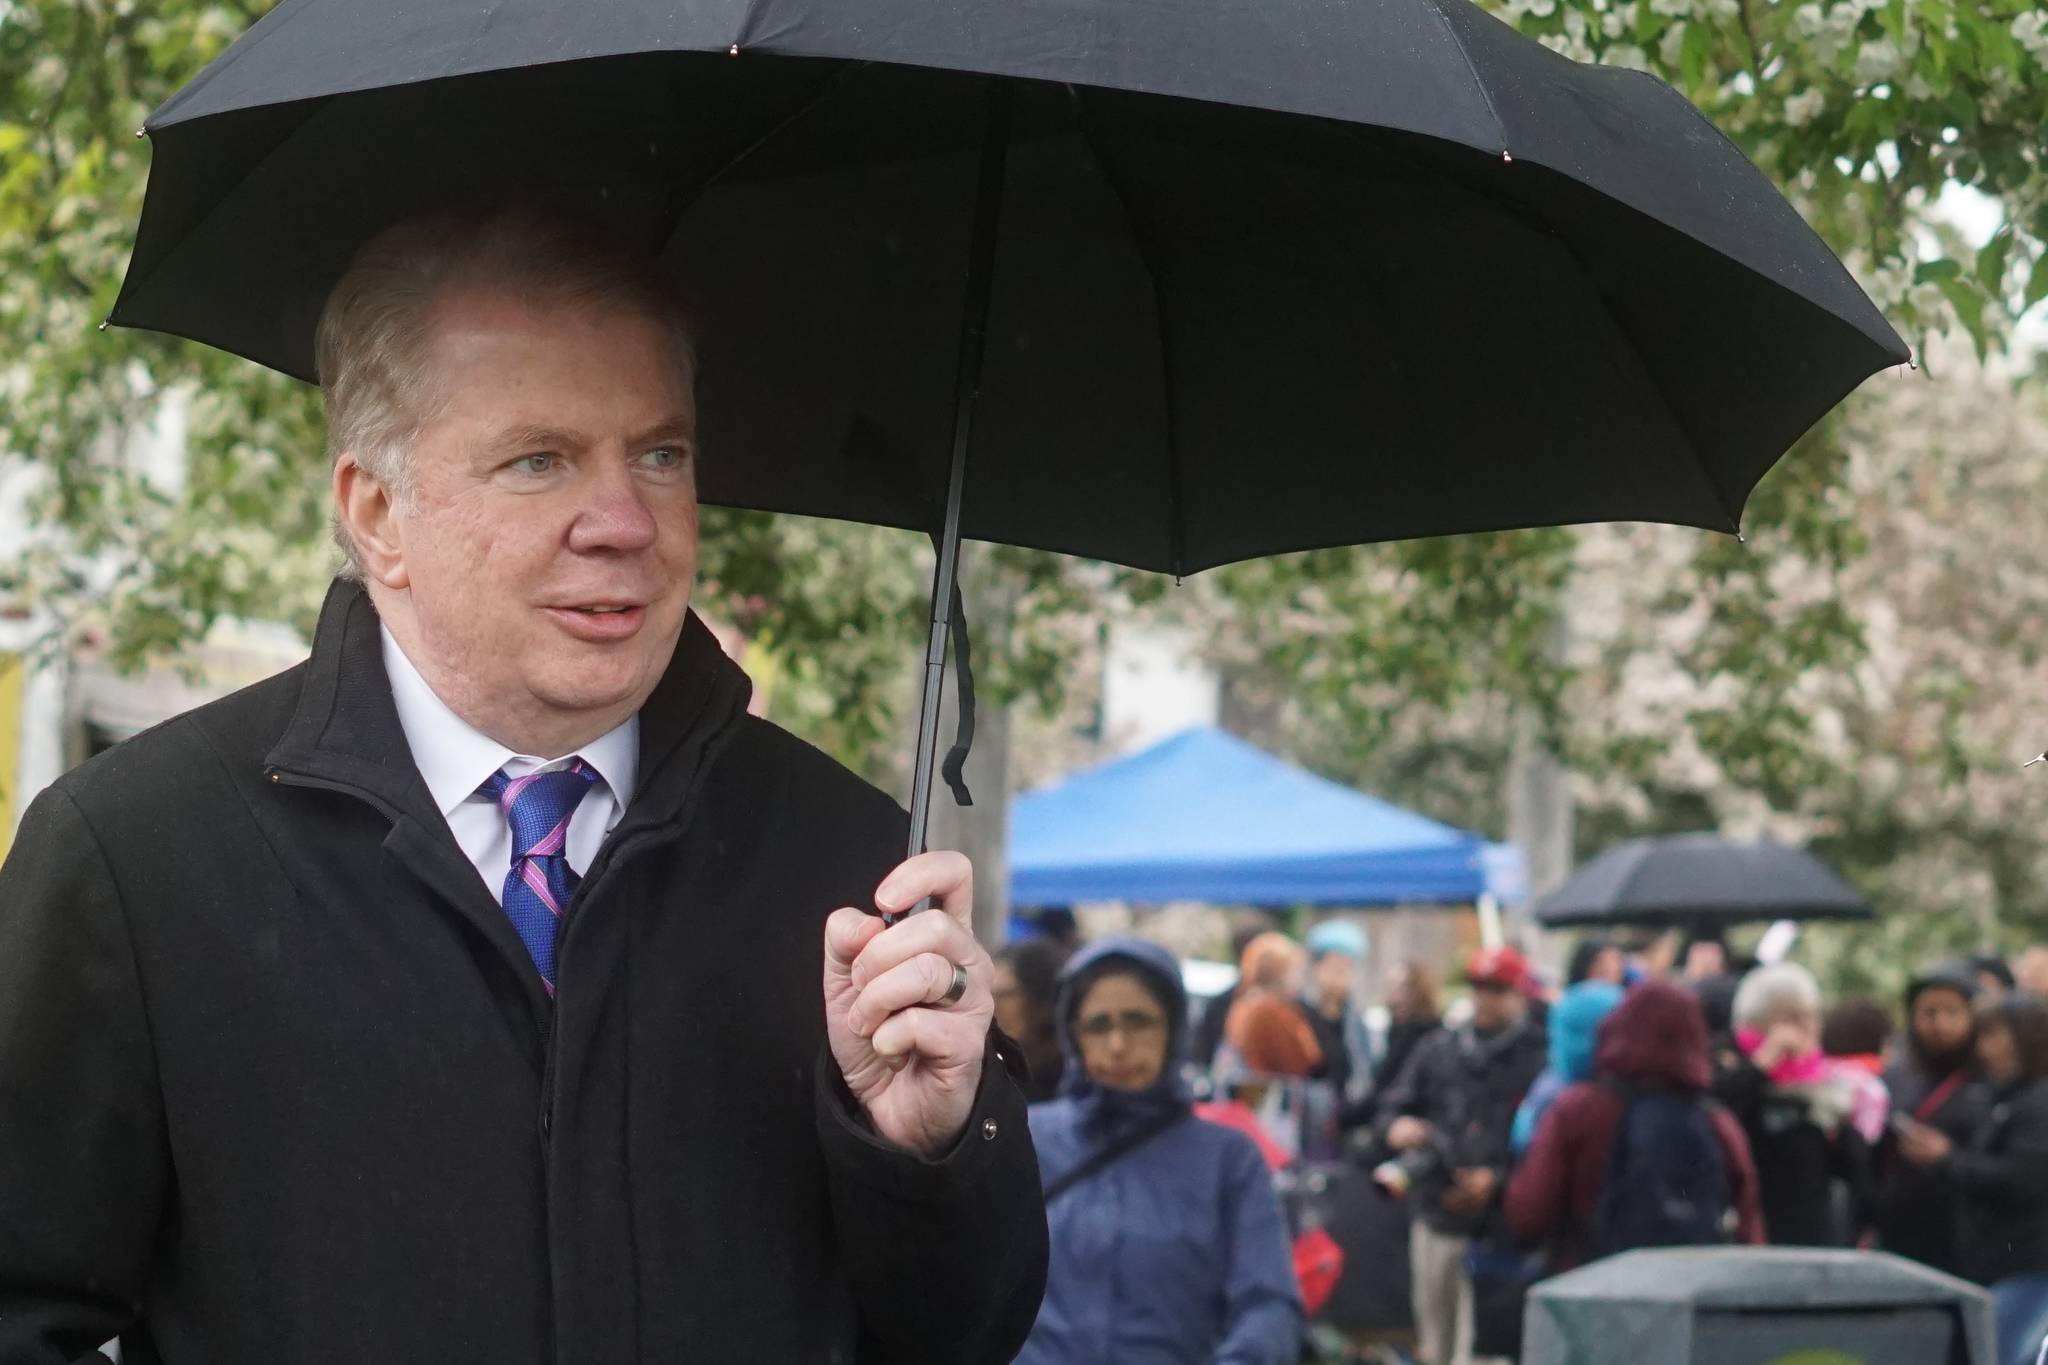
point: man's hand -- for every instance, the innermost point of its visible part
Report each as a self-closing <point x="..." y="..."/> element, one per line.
<point x="912" y="1062"/>
<point x="1471" y="1191"/>
<point x="1407" y="1133"/>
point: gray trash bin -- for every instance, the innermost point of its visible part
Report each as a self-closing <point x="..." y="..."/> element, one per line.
<point x="1756" y="1306"/>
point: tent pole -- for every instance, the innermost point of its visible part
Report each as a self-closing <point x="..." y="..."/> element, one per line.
<point x="988" y="203"/>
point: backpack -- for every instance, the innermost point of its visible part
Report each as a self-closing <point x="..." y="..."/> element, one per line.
<point x="1667" y="1181"/>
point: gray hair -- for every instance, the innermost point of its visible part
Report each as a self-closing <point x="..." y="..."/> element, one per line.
<point x="371" y="348"/>
<point x="1770" y="993"/>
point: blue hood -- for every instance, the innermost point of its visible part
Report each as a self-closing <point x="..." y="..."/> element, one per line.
<point x="1161" y="971"/>
<point x="1575" y="1027"/>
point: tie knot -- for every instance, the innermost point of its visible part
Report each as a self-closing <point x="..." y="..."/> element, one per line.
<point x="538" y="805"/>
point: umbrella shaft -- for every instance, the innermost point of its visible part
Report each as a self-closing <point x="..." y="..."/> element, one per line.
<point x="988" y="203"/>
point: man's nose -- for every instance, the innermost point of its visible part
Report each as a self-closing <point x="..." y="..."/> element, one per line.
<point x="615" y="514"/>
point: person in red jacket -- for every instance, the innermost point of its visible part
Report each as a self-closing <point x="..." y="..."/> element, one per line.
<point x="1655" y="1041"/>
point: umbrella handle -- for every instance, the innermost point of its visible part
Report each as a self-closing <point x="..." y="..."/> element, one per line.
<point x="988" y="205"/>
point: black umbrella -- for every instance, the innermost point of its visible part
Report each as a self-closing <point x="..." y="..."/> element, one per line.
<point x="1700" y="881"/>
<point x="1193" y="281"/>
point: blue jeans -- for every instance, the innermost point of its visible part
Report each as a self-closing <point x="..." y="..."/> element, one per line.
<point x="2020" y="1307"/>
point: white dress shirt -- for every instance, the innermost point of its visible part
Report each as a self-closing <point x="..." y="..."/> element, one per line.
<point x="455" y="759"/>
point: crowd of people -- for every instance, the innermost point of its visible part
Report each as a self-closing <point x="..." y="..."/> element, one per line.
<point x="1648" y="1099"/>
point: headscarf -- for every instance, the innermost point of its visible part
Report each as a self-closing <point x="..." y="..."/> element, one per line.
<point x="1104" y="1110"/>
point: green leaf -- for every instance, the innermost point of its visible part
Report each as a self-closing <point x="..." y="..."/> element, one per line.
<point x="1937" y="270"/>
<point x="1694" y="55"/>
<point x="1991" y="261"/>
<point x="1968" y="302"/>
<point x="2037" y="282"/>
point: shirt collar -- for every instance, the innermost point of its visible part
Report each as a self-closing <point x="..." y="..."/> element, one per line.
<point x="454" y="757"/>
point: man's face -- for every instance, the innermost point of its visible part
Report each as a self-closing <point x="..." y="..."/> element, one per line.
<point x="546" y="561"/>
<point x="1333" y="974"/>
<point x="1495" y="1005"/>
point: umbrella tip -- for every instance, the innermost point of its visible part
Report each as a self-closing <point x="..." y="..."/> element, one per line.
<point x="2037" y="758"/>
<point x="1507" y="157"/>
<point x="733" y="51"/>
<point x="141" y="132"/>
<point x="104" y="323"/>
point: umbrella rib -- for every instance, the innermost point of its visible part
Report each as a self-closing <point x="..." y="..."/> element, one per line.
<point x="823" y="91"/>
<point x="1478" y="83"/>
<point x="1148" y="256"/>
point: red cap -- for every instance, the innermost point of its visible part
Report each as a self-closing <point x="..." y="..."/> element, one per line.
<point x="1497" y="967"/>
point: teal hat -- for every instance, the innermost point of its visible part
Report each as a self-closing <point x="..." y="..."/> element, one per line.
<point x="1337" y="936"/>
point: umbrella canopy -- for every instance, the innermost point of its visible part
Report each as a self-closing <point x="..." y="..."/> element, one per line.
<point x="1202" y="815"/>
<point x="1749" y="1305"/>
<point x="1191" y="282"/>
<point x="1266" y="276"/>
<point x="1700" y="880"/>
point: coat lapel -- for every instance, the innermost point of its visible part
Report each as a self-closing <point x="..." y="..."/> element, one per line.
<point x="345" y="736"/>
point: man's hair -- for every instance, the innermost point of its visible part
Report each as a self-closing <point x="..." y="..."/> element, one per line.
<point x="371" y="348"/>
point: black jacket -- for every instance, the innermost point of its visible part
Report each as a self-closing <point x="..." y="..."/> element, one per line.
<point x="1816" y="1183"/>
<point x="1403" y="1037"/>
<point x="2001" y="1177"/>
<point x="1915" y="1205"/>
<point x="1467" y="1086"/>
<point x="278" y="1082"/>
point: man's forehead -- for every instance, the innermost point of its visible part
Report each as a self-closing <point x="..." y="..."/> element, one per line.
<point x="534" y="362"/>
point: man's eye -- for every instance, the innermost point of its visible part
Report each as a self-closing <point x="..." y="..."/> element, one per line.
<point x="534" y="464"/>
<point x="663" y="457"/>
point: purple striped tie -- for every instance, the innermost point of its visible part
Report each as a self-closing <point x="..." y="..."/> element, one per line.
<point x="537" y="888"/>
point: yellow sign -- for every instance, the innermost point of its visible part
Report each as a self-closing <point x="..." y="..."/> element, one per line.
<point x="11" y="675"/>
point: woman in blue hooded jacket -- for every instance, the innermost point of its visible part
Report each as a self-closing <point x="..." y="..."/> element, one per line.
<point x="1574" y="1029"/>
<point x="1173" y="1253"/>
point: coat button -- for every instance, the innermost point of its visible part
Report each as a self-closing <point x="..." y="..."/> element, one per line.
<point x="988" y="1129"/>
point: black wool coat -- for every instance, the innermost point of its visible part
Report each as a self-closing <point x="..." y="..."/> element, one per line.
<point x="278" y="1082"/>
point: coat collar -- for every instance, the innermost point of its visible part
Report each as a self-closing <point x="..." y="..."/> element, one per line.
<point x="346" y="730"/>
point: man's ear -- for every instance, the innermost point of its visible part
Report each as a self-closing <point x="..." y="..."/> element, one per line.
<point x="368" y="515"/>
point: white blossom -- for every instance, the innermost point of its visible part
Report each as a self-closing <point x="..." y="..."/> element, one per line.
<point x="1671" y="47"/>
<point x="1612" y="24"/>
<point x="2031" y="32"/>
<point x="1809" y="19"/>
<point x="1878" y="61"/>
<point x="1804" y="107"/>
<point x="1926" y="299"/>
<point x="1628" y="55"/>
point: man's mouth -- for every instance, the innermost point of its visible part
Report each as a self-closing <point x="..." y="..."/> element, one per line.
<point x="601" y="621"/>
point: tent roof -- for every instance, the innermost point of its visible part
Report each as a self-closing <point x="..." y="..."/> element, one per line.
<point x="1202" y="815"/>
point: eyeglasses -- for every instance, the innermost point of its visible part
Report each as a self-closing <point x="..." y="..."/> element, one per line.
<point x="1133" y="1024"/>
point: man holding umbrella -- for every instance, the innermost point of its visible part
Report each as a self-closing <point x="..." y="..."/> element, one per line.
<point x="457" y="995"/>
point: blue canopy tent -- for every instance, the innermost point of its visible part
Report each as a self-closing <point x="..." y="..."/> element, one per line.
<point x="1204" y="816"/>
